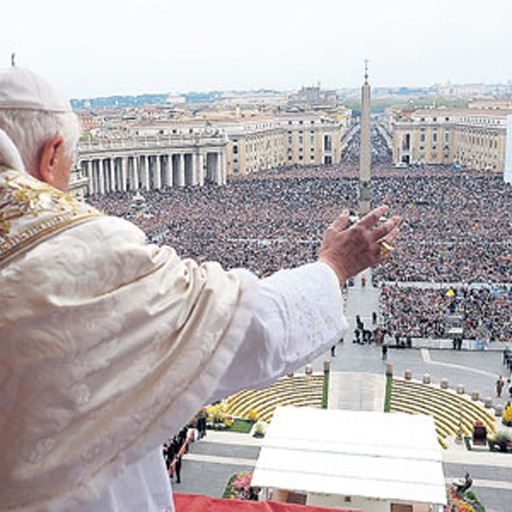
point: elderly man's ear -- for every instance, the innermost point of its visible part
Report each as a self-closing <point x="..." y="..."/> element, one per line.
<point x="54" y="166"/>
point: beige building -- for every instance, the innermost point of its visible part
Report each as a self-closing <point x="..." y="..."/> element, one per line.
<point x="265" y="138"/>
<point x="207" y="146"/>
<point x="287" y="139"/>
<point x="254" y="145"/>
<point x="472" y="138"/>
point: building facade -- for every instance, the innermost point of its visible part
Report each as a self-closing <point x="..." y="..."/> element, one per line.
<point x="194" y="151"/>
<point x="254" y="145"/>
<point x="471" y="138"/>
<point x="152" y="161"/>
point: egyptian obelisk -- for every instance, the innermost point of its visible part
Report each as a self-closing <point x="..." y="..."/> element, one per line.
<point x="365" y="155"/>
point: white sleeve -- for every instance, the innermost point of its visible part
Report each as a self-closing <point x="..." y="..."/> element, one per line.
<point x="297" y="316"/>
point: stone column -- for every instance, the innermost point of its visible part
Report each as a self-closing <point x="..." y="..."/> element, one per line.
<point x="193" y="169"/>
<point x="101" y="175"/>
<point x="144" y="170"/>
<point x="105" y="177"/>
<point x="200" y="169"/>
<point x="181" y="170"/>
<point x="135" y="164"/>
<point x="113" y="178"/>
<point x="220" y="171"/>
<point x="92" y="183"/>
<point x="86" y="172"/>
<point x="124" y="173"/>
<point x="194" y="174"/>
<point x="173" y="159"/>
<point x="130" y="179"/>
<point x="188" y="160"/>
<point x="158" y="172"/>
<point x="168" y="167"/>
<point x="95" y="184"/>
<point x="145" y="163"/>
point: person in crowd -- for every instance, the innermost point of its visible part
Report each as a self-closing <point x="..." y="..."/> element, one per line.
<point x="109" y="342"/>
<point x="499" y="386"/>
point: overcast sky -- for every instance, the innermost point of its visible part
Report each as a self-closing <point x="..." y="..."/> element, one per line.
<point x="104" y="47"/>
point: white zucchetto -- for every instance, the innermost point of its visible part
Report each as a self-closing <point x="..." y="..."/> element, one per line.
<point x="23" y="89"/>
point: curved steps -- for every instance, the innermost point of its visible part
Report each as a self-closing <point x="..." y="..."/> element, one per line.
<point x="298" y="390"/>
<point x="450" y="410"/>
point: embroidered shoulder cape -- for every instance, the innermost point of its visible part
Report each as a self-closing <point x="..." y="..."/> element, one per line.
<point x="108" y="345"/>
<point x="31" y="210"/>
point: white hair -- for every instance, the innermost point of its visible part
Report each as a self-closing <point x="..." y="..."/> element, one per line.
<point x="31" y="129"/>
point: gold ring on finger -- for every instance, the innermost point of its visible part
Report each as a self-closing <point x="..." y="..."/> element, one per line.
<point x="385" y="248"/>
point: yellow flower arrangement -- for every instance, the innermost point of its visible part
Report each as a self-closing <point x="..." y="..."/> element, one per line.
<point x="507" y="415"/>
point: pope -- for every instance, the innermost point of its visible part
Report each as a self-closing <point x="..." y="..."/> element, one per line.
<point x="110" y="344"/>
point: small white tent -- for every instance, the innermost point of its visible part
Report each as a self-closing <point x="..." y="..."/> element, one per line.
<point x="343" y="458"/>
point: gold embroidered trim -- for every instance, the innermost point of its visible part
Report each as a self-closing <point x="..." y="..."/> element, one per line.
<point x="37" y="237"/>
<point x="31" y="210"/>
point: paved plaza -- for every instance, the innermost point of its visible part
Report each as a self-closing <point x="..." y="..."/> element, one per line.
<point x="357" y="383"/>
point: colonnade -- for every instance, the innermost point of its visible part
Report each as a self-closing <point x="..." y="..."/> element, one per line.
<point x="127" y="172"/>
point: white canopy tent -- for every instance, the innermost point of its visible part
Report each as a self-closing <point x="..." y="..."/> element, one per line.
<point x="379" y="456"/>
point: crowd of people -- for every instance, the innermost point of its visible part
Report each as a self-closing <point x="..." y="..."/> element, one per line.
<point x="485" y="312"/>
<point x="456" y="229"/>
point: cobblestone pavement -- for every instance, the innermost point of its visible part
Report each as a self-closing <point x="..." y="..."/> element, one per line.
<point x="211" y="461"/>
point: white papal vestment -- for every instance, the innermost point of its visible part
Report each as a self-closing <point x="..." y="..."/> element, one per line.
<point x="109" y="345"/>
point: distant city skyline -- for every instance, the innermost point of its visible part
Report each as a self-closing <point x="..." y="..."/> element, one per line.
<point x="158" y="46"/>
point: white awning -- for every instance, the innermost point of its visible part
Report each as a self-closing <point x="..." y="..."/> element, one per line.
<point x="385" y="456"/>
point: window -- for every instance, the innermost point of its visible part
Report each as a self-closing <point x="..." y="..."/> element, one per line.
<point x="235" y="149"/>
